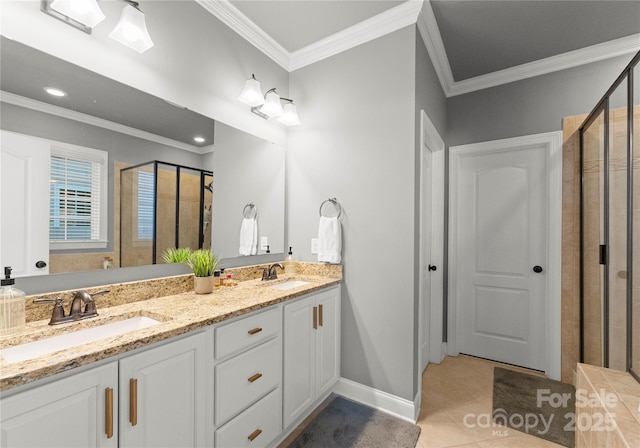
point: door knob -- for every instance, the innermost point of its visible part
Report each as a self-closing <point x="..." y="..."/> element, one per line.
<point x="41" y="264"/>
<point x="537" y="269"/>
<point x="432" y="267"/>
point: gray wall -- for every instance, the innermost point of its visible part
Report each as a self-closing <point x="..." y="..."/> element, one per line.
<point x="357" y="144"/>
<point x="246" y="169"/>
<point x="530" y="106"/>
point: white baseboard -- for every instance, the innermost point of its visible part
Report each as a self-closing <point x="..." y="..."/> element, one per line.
<point x="377" y="399"/>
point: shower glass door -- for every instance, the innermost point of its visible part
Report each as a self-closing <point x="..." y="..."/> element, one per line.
<point x="593" y="239"/>
<point x="618" y="222"/>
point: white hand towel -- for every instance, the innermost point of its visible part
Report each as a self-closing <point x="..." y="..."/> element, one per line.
<point x="249" y="237"/>
<point x="329" y="240"/>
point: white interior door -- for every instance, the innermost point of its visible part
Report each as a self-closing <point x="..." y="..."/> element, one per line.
<point x="500" y="246"/>
<point x="431" y="245"/>
<point x="425" y="280"/>
<point x="24" y="191"/>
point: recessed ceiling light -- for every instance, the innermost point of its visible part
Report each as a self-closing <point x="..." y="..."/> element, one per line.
<point x="54" y="91"/>
<point x="198" y="139"/>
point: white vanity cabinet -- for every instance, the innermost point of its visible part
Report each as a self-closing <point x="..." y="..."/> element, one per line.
<point x="161" y="395"/>
<point x="311" y="350"/>
<point x="149" y="399"/>
<point x="76" y="411"/>
<point x="248" y="379"/>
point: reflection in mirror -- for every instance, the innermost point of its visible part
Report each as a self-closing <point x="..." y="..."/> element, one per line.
<point x="163" y="205"/>
<point x="131" y="126"/>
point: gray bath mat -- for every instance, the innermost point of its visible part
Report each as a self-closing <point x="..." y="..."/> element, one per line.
<point x="345" y="424"/>
<point x="535" y="405"/>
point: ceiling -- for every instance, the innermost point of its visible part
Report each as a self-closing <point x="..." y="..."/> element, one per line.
<point x="478" y="36"/>
<point x="25" y="72"/>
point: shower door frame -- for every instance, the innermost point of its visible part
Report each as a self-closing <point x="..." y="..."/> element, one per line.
<point x="179" y="168"/>
<point x="603" y="106"/>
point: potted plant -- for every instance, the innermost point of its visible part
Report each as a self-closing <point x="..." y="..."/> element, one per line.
<point x="203" y="263"/>
<point x="176" y="255"/>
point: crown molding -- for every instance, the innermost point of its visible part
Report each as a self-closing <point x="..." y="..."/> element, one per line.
<point x="430" y="34"/>
<point x="246" y="28"/>
<point x="28" y="103"/>
<point x="384" y="23"/>
<point x="571" y="59"/>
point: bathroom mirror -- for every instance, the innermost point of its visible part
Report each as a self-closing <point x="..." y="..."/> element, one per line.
<point x="134" y="127"/>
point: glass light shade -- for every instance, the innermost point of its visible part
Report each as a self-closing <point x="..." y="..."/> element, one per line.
<point x="272" y="106"/>
<point x="289" y="115"/>
<point x="86" y="12"/>
<point x="252" y="94"/>
<point x="132" y="30"/>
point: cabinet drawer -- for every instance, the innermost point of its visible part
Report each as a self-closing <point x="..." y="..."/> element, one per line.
<point x="243" y="380"/>
<point x="261" y="422"/>
<point x="248" y="332"/>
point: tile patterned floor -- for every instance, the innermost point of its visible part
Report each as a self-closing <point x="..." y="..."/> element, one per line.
<point x="452" y="390"/>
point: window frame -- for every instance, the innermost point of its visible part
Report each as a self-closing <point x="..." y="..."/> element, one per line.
<point x="84" y="154"/>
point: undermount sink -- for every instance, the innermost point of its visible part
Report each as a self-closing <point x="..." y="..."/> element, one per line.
<point x="42" y="347"/>
<point x="289" y="284"/>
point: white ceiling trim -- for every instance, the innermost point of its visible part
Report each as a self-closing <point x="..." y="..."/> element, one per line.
<point x="28" y="103"/>
<point x="384" y="23"/>
<point x="428" y="29"/>
<point x="246" y="28"/>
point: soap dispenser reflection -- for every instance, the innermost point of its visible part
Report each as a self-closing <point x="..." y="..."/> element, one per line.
<point x="289" y="264"/>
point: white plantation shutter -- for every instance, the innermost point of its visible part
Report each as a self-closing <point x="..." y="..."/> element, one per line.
<point x="145" y="205"/>
<point x="78" y="197"/>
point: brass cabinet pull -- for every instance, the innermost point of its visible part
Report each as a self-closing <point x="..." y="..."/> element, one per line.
<point x="254" y="434"/>
<point x="255" y="377"/>
<point x="320" y="317"/>
<point x="315" y="317"/>
<point x="108" y="408"/>
<point x="133" y="401"/>
<point x="254" y="331"/>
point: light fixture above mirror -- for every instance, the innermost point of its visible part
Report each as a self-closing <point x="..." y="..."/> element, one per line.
<point x="268" y="106"/>
<point x="84" y="15"/>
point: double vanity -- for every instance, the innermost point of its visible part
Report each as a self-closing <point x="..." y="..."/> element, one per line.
<point x="241" y="366"/>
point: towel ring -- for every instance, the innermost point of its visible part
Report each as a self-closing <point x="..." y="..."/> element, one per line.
<point x="336" y="205"/>
<point x="248" y="209"/>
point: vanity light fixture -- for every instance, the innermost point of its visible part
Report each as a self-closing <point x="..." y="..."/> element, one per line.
<point x="81" y="14"/>
<point x="131" y="30"/>
<point x="252" y="96"/>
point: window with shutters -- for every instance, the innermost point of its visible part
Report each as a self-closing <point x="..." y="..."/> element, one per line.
<point x="145" y="205"/>
<point x="78" y="197"/>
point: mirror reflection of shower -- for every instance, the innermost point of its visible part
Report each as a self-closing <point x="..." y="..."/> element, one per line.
<point x="163" y="205"/>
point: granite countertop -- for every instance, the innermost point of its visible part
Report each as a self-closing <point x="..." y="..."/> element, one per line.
<point x="178" y="313"/>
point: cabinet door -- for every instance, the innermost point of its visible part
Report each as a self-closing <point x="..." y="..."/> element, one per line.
<point x="327" y="340"/>
<point x="70" y="412"/>
<point x="162" y="395"/>
<point x="299" y="356"/>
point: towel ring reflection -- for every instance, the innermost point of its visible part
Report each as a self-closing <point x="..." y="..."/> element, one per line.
<point x="336" y="205"/>
<point x="250" y="211"/>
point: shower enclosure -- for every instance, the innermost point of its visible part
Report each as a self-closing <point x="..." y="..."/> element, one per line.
<point x="610" y="227"/>
<point x="163" y="205"/>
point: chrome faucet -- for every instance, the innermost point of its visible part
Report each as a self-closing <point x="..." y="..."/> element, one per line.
<point x="270" y="272"/>
<point x="75" y="310"/>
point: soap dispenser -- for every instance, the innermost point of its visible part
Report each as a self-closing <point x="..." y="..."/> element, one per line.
<point x="289" y="263"/>
<point x="12" y="314"/>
